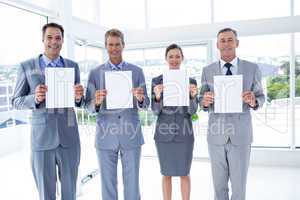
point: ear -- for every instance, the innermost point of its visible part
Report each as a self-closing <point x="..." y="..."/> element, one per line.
<point x="237" y="43"/>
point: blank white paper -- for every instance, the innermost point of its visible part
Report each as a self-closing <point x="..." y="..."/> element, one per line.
<point x="60" y="83"/>
<point x="176" y="88"/>
<point x="228" y="94"/>
<point x="119" y="89"/>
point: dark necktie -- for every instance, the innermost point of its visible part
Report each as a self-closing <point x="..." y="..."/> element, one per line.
<point x="228" y="65"/>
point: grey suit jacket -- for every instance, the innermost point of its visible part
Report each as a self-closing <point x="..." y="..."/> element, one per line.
<point x="117" y="126"/>
<point x="236" y="126"/>
<point x="173" y="122"/>
<point x="49" y="127"/>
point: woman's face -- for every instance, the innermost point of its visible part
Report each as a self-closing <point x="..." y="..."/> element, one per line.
<point x="174" y="58"/>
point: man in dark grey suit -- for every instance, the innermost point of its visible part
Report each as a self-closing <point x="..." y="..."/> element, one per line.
<point x="230" y="134"/>
<point x="54" y="132"/>
<point x="118" y="131"/>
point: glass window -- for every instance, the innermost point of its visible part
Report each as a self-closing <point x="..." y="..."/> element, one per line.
<point x="88" y="57"/>
<point x="21" y="38"/>
<point x="232" y="10"/>
<point x="84" y="10"/>
<point x="41" y="3"/>
<point x="271" y="124"/>
<point x="195" y="60"/>
<point x="23" y="44"/>
<point x="177" y="12"/>
<point x="135" y="57"/>
<point x="297" y="7"/>
<point x="122" y="14"/>
<point x="297" y="88"/>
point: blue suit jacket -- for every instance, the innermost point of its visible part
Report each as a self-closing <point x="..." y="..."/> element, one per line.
<point x="117" y="127"/>
<point x="49" y="127"/>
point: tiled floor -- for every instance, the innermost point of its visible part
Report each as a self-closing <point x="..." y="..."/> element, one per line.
<point x="264" y="183"/>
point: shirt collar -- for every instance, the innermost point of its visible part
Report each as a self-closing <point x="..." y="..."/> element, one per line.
<point x="118" y="66"/>
<point x="57" y="61"/>
<point x="234" y="62"/>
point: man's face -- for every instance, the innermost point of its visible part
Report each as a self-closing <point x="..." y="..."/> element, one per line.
<point x="53" y="41"/>
<point x="114" y="47"/>
<point x="227" y="44"/>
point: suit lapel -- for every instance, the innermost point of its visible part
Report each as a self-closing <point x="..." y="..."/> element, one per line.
<point x="38" y="71"/>
<point x="240" y="67"/>
<point x="217" y="69"/>
<point x="65" y="63"/>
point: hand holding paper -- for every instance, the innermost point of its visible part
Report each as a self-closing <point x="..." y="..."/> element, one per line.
<point x="99" y="96"/>
<point x="249" y="98"/>
<point x="40" y="93"/>
<point x="138" y="93"/>
<point x="208" y="99"/>
<point x="78" y="90"/>
<point x="157" y="91"/>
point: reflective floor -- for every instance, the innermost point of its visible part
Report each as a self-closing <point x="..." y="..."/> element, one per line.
<point x="264" y="183"/>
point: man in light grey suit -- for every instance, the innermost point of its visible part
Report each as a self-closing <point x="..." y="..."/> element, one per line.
<point x="118" y="131"/>
<point x="54" y="132"/>
<point x="230" y="134"/>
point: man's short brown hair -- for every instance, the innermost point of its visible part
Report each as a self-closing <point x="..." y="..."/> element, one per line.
<point x="114" y="33"/>
<point x="53" y="25"/>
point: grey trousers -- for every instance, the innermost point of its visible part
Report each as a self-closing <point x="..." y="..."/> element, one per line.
<point x="108" y="162"/>
<point x="229" y="162"/>
<point x="44" y="168"/>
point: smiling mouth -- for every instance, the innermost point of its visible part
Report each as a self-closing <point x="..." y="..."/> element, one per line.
<point x="53" y="48"/>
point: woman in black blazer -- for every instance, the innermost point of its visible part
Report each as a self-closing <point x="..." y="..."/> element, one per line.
<point x="174" y="137"/>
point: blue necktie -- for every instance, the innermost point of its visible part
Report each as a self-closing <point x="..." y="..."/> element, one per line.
<point x="52" y="64"/>
<point x="228" y="65"/>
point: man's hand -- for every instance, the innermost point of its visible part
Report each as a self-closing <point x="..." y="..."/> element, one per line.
<point x="138" y="93"/>
<point x="193" y="90"/>
<point x="208" y="99"/>
<point x="249" y="98"/>
<point x="78" y="91"/>
<point x="40" y="93"/>
<point x="99" y="96"/>
<point x="157" y="91"/>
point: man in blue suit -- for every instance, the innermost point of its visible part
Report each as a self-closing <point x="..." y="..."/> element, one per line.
<point x="54" y="132"/>
<point x="118" y="131"/>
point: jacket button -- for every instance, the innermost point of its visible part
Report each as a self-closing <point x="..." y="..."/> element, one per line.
<point x="119" y="117"/>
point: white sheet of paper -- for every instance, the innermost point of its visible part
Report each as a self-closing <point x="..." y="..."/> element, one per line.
<point x="60" y="83"/>
<point x="119" y="89"/>
<point x="228" y="94"/>
<point x="176" y="88"/>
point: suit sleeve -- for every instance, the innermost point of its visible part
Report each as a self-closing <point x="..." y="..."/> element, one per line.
<point x="77" y="81"/>
<point x="142" y="84"/>
<point x="192" y="109"/>
<point x="257" y="89"/>
<point x="22" y="98"/>
<point x="90" y="95"/>
<point x="204" y="88"/>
